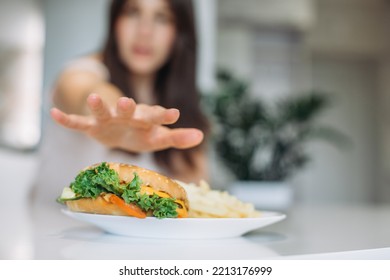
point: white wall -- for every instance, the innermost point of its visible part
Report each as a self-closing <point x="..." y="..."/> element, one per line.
<point x="340" y="49"/>
<point x="349" y="27"/>
<point x="234" y="49"/>
<point x="348" y="44"/>
<point x="384" y="128"/>
<point x="347" y="174"/>
<point x="206" y="20"/>
<point x="248" y="44"/>
<point x="294" y="14"/>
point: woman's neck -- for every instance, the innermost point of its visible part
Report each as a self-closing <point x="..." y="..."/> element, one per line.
<point x="143" y="86"/>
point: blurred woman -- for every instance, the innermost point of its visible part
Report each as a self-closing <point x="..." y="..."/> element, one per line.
<point x="136" y="99"/>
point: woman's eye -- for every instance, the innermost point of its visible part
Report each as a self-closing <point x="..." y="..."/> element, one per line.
<point x="131" y="12"/>
<point x="163" y="18"/>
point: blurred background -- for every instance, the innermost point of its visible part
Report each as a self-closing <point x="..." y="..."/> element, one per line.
<point x="274" y="49"/>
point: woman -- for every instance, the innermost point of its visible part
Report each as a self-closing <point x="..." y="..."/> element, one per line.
<point x="128" y="96"/>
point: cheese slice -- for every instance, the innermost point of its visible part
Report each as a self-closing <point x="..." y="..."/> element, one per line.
<point x="150" y="191"/>
<point x="181" y="212"/>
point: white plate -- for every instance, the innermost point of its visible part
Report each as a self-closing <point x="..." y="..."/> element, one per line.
<point x="191" y="228"/>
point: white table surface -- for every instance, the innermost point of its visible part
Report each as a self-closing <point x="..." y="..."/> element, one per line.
<point x="308" y="232"/>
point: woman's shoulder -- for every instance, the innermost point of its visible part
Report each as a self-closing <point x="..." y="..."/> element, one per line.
<point x="92" y="64"/>
<point x="78" y="78"/>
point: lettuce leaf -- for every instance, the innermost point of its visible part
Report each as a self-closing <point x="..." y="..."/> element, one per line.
<point x="131" y="191"/>
<point x="159" y="206"/>
<point x="164" y="207"/>
<point x="92" y="182"/>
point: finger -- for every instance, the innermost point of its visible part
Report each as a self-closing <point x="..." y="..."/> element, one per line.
<point x="98" y="109"/>
<point x="179" y="138"/>
<point x="125" y="108"/>
<point x="156" y="114"/>
<point x="76" y="122"/>
<point x="171" y="116"/>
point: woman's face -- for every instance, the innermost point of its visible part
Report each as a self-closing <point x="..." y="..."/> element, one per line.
<point x="145" y="33"/>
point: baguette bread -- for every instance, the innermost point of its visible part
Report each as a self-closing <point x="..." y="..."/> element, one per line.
<point x="99" y="205"/>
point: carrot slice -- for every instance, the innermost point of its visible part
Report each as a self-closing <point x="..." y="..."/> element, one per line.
<point x="129" y="209"/>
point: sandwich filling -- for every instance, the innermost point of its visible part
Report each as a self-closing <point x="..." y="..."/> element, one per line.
<point x="103" y="182"/>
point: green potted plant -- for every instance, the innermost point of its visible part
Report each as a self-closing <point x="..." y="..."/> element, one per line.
<point x="263" y="143"/>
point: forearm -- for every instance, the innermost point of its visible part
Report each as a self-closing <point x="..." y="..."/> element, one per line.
<point x="72" y="90"/>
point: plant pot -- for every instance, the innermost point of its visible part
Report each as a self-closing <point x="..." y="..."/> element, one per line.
<point x="264" y="195"/>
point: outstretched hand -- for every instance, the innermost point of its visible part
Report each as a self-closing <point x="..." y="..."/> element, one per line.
<point x="130" y="126"/>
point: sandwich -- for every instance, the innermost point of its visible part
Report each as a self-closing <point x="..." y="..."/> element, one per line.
<point x="125" y="190"/>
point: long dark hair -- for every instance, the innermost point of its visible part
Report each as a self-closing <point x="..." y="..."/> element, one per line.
<point x="175" y="85"/>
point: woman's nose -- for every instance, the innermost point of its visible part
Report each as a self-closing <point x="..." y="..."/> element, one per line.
<point x="145" y="26"/>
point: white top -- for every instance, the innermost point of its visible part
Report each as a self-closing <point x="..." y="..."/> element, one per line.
<point x="89" y="64"/>
<point x="63" y="152"/>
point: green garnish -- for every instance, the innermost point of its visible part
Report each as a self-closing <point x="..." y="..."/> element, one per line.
<point x="92" y="182"/>
<point x="164" y="207"/>
<point x="160" y="206"/>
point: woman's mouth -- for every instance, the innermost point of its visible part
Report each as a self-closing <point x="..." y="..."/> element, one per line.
<point x="142" y="51"/>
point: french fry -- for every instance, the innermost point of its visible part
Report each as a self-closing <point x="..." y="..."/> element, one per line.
<point x="208" y="203"/>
